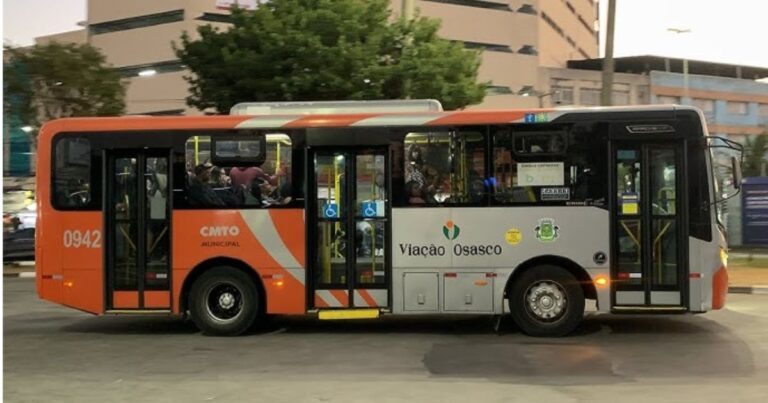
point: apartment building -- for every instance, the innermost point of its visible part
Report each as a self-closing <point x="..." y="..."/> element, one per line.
<point x="515" y="37"/>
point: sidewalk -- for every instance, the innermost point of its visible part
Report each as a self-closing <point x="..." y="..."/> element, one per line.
<point x="19" y="269"/>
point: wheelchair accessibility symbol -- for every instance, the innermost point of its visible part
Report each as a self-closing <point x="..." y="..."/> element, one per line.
<point x="331" y="210"/>
<point x="369" y="209"/>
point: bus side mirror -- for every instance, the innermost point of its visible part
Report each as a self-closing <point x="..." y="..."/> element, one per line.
<point x="736" y="167"/>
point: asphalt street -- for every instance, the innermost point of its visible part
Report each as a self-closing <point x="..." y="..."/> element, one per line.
<point x="52" y="353"/>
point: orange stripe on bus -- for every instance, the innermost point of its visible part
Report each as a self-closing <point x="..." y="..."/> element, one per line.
<point x="368" y="298"/>
<point x="340" y="296"/>
<point x="336" y="120"/>
<point x="290" y="226"/>
<point x="320" y="303"/>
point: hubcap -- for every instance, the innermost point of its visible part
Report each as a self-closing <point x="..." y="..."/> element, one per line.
<point x="224" y="302"/>
<point x="545" y="301"/>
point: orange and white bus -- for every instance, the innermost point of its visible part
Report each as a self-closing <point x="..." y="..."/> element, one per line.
<point x="351" y="210"/>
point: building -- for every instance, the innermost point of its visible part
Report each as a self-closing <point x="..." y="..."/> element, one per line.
<point x="515" y="37"/>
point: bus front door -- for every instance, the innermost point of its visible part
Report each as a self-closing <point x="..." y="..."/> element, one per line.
<point x="137" y="209"/>
<point x="650" y="248"/>
<point x="349" y="229"/>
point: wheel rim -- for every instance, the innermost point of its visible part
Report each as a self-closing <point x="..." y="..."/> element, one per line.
<point x="224" y="302"/>
<point x="545" y="301"/>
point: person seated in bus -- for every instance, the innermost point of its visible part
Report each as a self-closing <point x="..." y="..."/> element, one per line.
<point x="200" y="192"/>
<point x="243" y="176"/>
<point x="263" y="194"/>
<point x="414" y="193"/>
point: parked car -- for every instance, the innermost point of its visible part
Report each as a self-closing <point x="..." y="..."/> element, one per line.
<point x="19" y="245"/>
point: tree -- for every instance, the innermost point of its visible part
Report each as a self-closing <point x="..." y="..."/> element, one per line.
<point x="304" y="50"/>
<point x="756" y="155"/>
<point x="56" y="80"/>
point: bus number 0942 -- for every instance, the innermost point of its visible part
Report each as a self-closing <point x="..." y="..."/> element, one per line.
<point x="82" y="239"/>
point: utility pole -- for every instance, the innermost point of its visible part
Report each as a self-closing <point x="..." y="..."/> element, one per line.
<point x="608" y="63"/>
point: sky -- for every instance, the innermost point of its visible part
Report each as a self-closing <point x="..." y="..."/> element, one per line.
<point x="727" y="31"/>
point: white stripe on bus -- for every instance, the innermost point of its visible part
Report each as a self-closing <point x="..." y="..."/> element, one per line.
<point x="263" y="229"/>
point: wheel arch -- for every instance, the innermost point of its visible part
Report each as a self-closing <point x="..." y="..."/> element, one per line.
<point x="208" y="264"/>
<point x="581" y="274"/>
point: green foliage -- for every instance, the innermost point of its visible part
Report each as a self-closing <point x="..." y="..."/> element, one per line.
<point x="756" y="155"/>
<point x="55" y="80"/>
<point x="305" y="50"/>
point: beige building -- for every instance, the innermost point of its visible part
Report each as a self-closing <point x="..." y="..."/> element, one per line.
<point x="563" y="87"/>
<point x="515" y="36"/>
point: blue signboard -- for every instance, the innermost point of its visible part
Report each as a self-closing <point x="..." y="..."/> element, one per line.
<point x="754" y="211"/>
<point x="330" y="210"/>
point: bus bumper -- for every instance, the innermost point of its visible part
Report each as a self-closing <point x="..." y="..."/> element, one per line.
<point x="719" y="288"/>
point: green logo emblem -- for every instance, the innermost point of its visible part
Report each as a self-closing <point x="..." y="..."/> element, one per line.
<point x="547" y="231"/>
<point x="451" y="230"/>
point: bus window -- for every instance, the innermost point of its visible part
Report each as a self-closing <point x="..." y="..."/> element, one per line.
<point x="72" y="173"/>
<point x="554" y="166"/>
<point x="445" y="167"/>
<point x="253" y="178"/>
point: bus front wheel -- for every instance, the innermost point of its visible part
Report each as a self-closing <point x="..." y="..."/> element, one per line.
<point x="546" y="301"/>
<point x="224" y="301"/>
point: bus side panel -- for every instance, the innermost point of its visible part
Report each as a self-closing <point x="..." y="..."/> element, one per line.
<point x="270" y="241"/>
<point x="72" y="269"/>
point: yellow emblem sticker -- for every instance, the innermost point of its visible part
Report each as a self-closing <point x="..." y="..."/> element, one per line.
<point x="513" y="236"/>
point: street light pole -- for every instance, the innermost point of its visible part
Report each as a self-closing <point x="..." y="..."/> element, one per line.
<point x="685" y="61"/>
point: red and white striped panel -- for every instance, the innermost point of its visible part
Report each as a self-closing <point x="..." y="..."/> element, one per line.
<point x="371" y="298"/>
<point x="331" y="299"/>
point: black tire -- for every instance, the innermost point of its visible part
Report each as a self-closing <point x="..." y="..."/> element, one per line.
<point x="559" y="301"/>
<point x="224" y="301"/>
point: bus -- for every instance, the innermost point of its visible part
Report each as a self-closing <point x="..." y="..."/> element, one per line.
<point x="356" y="210"/>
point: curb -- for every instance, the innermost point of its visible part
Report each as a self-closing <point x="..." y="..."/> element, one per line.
<point x="755" y="289"/>
<point x="23" y="274"/>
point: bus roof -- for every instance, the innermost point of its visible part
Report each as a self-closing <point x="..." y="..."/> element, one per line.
<point x="370" y="119"/>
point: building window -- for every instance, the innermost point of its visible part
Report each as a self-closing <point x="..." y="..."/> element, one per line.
<point x="528" y="50"/>
<point x="150" y="69"/>
<point x="444" y="167"/>
<point x="487" y="46"/>
<point x="562" y="95"/>
<point x="497" y="90"/>
<point x="215" y="17"/>
<point x="136" y="22"/>
<point x="706" y="105"/>
<point x="241" y="171"/>
<point x="620" y="97"/>
<point x="476" y="3"/>
<point x="667" y="100"/>
<point x="589" y="96"/>
<point x="763" y="109"/>
<point x="72" y="173"/>
<point x="737" y="108"/>
<point x="527" y="9"/>
<point x="552" y="23"/>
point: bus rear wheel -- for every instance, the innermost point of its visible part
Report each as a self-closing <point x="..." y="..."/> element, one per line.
<point x="224" y="301"/>
<point x="546" y="301"/>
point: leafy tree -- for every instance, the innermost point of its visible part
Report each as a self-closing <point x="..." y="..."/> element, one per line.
<point x="303" y="50"/>
<point x="45" y="82"/>
<point x="756" y="155"/>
